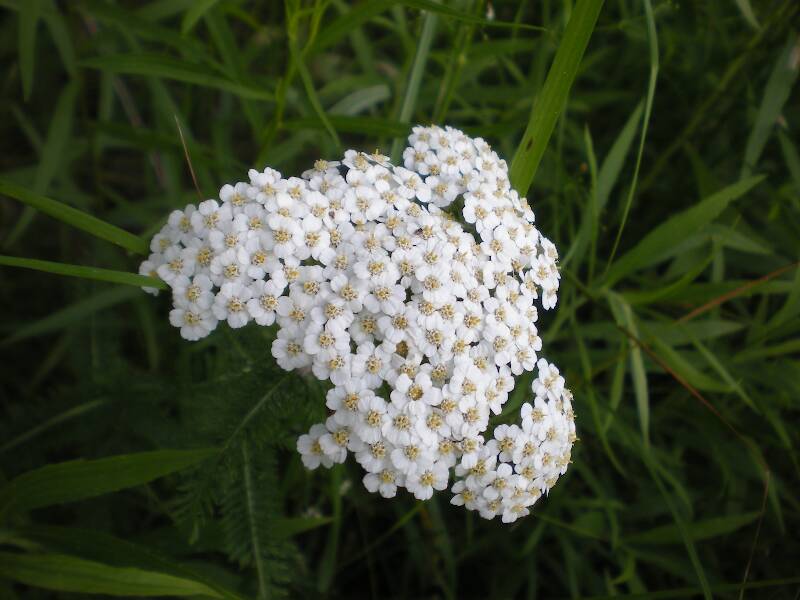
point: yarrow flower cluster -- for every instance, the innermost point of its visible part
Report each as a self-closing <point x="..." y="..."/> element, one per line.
<point x="413" y="289"/>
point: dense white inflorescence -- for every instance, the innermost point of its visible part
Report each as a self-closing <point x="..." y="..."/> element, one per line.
<point x="413" y="290"/>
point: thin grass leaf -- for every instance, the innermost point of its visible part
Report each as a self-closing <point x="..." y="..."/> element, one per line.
<point x="253" y="528"/>
<point x="165" y="67"/>
<point x="74" y="217"/>
<point x="94" y="273"/>
<point x="792" y="158"/>
<point x="52" y="157"/>
<point x="717" y="365"/>
<point x="195" y="13"/>
<point x="70" y="574"/>
<point x="342" y="26"/>
<point x="327" y="565"/>
<point x="313" y="98"/>
<point x="458" y="15"/>
<point x="60" y="34"/>
<point x="747" y="12"/>
<point x="652" y="37"/>
<point x="371" y="126"/>
<point x="697" y="530"/>
<point x="680" y="524"/>
<point x="80" y="479"/>
<point x="660" y="242"/>
<point x="94" y="545"/>
<point x="75" y="411"/>
<point x="553" y="97"/>
<point x="606" y="179"/>
<point x="624" y="316"/>
<point x="73" y="313"/>
<point x="29" y="13"/>
<point x="776" y="93"/>
<point x="415" y="78"/>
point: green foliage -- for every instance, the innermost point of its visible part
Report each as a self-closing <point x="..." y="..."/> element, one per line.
<point x="664" y="165"/>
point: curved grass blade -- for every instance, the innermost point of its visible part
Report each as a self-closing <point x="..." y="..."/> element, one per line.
<point x="656" y="245"/>
<point x="98" y="546"/>
<point x="69" y="315"/>
<point x="415" y="78"/>
<point x="70" y="574"/>
<point x="164" y="67"/>
<point x="51" y="156"/>
<point x="94" y="273"/>
<point x="652" y="36"/>
<point x="79" y="479"/>
<point x="75" y="218"/>
<point x="553" y="96"/>
<point x="29" y="13"/>
<point x="75" y="411"/>
<point x="195" y="13"/>
<point x="776" y="93"/>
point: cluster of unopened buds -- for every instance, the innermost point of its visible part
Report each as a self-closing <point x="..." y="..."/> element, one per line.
<point x="413" y="290"/>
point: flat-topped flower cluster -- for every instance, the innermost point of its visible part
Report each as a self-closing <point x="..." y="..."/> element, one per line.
<point x="413" y="289"/>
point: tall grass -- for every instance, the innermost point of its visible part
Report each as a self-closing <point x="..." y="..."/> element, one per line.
<point x="660" y="154"/>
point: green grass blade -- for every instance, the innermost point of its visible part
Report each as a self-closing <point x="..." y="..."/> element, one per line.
<point x="657" y="244"/>
<point x="60" y="33"/>
<point x="94" y="273"/>
<point x="371" y="126"/>
<point x="313" y="98"/>
<point x="195" y="13"/>
<point x="75" y="411"/>
<point x="553" y="97"/>
<point x="776" y="93"/>
<point x="698" y="530"/>
<point x="75" y="312"/>
<point x="89" y="544"/>
<point x="457" y="15"/>
<point x="75" y="218"/>
<point x="80" y="479"/>
<point x="69" y="574"/>
<point x="606" y="180"/>
<point x="164" y="67"/>
<point x="624" y="317"/>
<point x="747" y="12"/>
<point x="680" y="524"/>
<point x="652" y="36"/>
<point x="415" y="78"/>
<point x="29" y="13"/>
<point x="52" y="156"/>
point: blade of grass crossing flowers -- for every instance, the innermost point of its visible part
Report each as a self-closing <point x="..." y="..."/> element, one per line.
<point x="652" y="37"/>
<point x="94" y="273"/>
<point x="74" y="217"/>
<point x="553" y="97"/>
<point x="313" y="98"/>
<point x="415" y="78"/>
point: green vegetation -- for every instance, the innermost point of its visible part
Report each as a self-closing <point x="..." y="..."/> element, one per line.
<point x="662" y="161"/>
